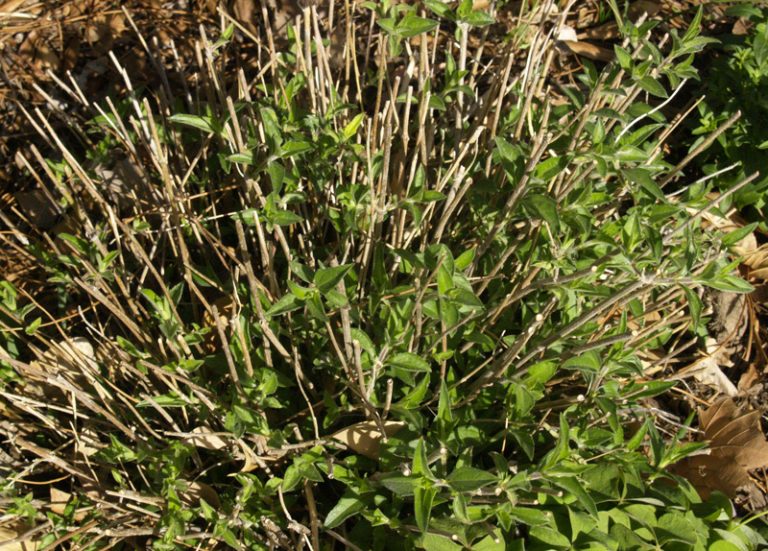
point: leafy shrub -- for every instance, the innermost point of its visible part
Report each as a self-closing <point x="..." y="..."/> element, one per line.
<point x="287" y="312"/>
<point x="734" y="91"/>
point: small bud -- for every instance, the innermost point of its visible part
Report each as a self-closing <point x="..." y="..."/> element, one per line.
<point x="539" y="317"/>
<point x="454" y="537"/>
<point x="580" y="398"/>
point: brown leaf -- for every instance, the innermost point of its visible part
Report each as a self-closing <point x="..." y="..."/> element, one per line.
<point x="59" y="500"/>
<point x="589" y="51"/>
<point x="245" y="12"/>
<point x="38" y="207"/>
<point x="226" y="307"/>
<point x="365" y="438"/>
<point x="737" y="446"/>
<point x="195" y="491"/>
<point x="203" y="437"/>
<point x="10" y="533"/>
<point x="749" y="378"/>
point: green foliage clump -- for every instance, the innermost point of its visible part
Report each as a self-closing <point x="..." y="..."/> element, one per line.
<point x="735" y="89"/>
<point x="396" y="301"/>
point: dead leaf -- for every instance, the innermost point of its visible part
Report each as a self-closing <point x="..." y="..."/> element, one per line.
<point x="75" y="355"/>
<point x="729" y="322"/>
<point x="245" y="12"/>
<point x="87" y="442"/>
<point x="194" y="491"/>
<point x="749" y="379"/>
<point x="737" y="446"/>
<point x="589" y="51"/>
<point x="9" y="533"/>
<point x="708" y="369"/>
<point x="710" y="374"/>
<point x="226" y="307"/>
<point x="365" y="437"/>
<point x="203" y="437"/>
<point x="567" y="33"/>
<point x="38" y="208"/>
<point x="59" y="500"/>
<point x="741" y="27"/>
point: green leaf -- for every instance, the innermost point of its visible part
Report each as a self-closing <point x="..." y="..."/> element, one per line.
<point x="409" y="362"/>
<point x="630" y="153"/>
<point x="529" y="516"/>
<point x="444" y="280"/>
<point x="730" y="283"/>
<point x="541" y="372"/>
<point x="287" y="303"/>
<point x="491" y="542"/>
<point x="464" y="260"/>
<point x="474" y="17"/>
<point x="285" y="218"/>
<point x="439" y="8"/>
<point x="576" y="489"/>
<point x="562" y="448"/>
<point x="652" y="86"/>
<point x="444" y="415"/>
<point x="164" y="400"/>
<point x="694" y="305"/>
<point x="551" y="537"/>
<point x="430" y="195"/>
<point x="348" y="506"/>
<point x="638" y="437"/>
<point x="549" y="168"/>
<point x="414" y="398"/>
<point x="412" y="25"/>
<point x="422" y="505"/>
<point x="365" y="341"/>
<point x="623" y="57"/>
<point x="436" y="542"/>
<point x="352" y="126"/>
<point x="642" y="177"/>
<point x="292" y="148"/>
<point x="468" y="479"/>
<point x="276" y="175"/>
<point x="420" y="461"/>
<point x="201" y="123"/>
<point x="326" y="278"/>
<point x="399" y="484"/>
<point x="737" y="235"/>
<point x="545" y="208"/>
